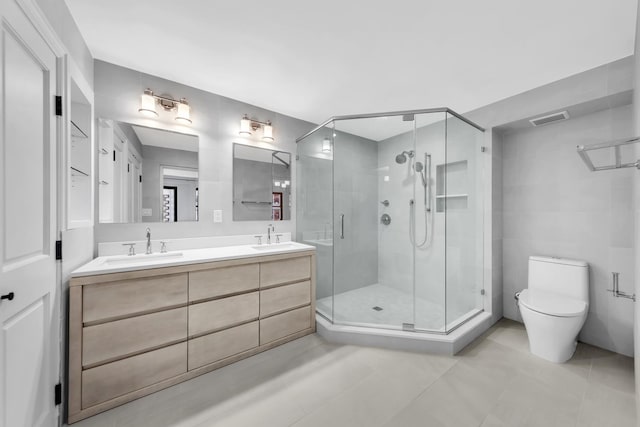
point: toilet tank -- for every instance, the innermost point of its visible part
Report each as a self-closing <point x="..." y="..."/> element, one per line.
<point x="565" y="277"/>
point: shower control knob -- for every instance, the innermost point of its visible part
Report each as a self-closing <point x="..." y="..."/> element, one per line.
<point x="385" y="203"/>
<point x="385" y="219"/>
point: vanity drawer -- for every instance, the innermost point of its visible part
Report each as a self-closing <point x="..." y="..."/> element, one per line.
<point x="285" y="297"/>
<point x="281" y="325"/>
<point x="284" y="271"/>
<point x="223" y="281"/>
<point x="117" y="378"/>
<point x="217" y="346"/>
<point x="222" y="313"/>
<point x="125" y="298"/>
<point x="114" y="340"/>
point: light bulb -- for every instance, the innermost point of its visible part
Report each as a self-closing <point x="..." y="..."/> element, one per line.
<point x="267" y="132"/>
<point x="326" y="145"/>
<point x="184" y="112"/>
<point x="148" y="104"/>
<point x="245" y="126"/>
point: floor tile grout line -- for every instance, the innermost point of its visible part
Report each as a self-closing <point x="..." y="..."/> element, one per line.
<point x="456" y="360"/>
<point x="584" y="393"/>
<point x="333" y="397"/>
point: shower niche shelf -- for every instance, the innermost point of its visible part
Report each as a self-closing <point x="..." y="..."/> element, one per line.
<point x="452" y="186"/>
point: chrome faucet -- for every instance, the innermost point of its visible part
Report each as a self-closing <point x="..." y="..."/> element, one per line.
<point x="148" y="241"/>
<point x="269" y="229"/>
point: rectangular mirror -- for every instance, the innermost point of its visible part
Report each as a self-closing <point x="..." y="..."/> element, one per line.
<point x="261" y="184"/>
<point x="146" y="174"/>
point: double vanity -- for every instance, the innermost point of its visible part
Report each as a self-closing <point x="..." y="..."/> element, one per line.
<point x="141" y="323"/>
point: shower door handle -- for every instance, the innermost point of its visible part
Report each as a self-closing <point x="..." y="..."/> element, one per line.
<point x="342" y="226"/>
<point x="427" y="193"/>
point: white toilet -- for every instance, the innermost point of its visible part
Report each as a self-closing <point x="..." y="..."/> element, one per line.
<point x="554" y="307"/>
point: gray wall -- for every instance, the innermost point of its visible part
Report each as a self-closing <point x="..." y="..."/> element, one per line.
<point x="553" y="205"/>
<point x="216" y="121"/>
<point x="253" y="181"/>
<point x="153" y="158"/>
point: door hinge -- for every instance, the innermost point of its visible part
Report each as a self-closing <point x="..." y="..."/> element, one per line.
<point x="140" y="178"/>
<point x="58" y="105"/>
<point x="481" y="291"/>
<point x="114" y="155"/>
<point x="58" y="394"/>
<point x="128" y="167"/>
<point x="483" y="149"/>
<point x="58" y="249"/>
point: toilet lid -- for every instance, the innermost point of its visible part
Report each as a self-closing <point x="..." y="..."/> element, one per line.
<point x="552" y="304"/>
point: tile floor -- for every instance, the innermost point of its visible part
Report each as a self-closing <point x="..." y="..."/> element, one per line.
<point x="309" y="382"/>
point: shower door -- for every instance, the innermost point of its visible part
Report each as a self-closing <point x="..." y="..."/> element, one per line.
<point x="373" y="259"/>
<point x="429" y="224"/>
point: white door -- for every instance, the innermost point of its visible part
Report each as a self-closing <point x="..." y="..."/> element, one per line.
<point x="29" y="323"/>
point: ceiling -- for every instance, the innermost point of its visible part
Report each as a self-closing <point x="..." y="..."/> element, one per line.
<point x="166" y="139"/>
<point x="316" y="60"/>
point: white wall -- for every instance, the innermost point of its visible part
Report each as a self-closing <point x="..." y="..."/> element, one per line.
<point x="553" y="205"/>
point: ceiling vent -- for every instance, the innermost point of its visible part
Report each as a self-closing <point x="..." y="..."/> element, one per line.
<point x="551" y="118"/>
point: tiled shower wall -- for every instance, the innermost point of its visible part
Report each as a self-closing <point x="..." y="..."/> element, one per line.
<point x="553" y="205"/>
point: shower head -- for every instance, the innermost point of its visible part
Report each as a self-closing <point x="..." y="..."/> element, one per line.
<point x="402" y="157"/>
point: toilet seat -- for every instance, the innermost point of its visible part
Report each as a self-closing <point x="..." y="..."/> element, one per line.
<point x="551" y="304"/>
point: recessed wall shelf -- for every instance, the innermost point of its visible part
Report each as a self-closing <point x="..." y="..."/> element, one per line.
<point x="451" y="186"/>
<point x="76" y="132"/>
<point x="77" y="172"/>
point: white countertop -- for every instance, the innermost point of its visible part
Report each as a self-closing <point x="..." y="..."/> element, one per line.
<point x="121" y="263"/>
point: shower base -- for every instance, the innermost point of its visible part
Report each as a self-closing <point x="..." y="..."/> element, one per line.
<point x="381" y="311"/>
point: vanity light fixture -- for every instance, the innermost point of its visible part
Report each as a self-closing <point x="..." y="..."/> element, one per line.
<point x="148" y="106"/>
<point x="326" y="145"/>
<point x="248" y="126"/>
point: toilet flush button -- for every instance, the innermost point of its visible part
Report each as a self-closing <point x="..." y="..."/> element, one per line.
<point x="217" y="215"/>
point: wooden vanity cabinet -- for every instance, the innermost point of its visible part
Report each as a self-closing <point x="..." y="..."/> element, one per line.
<point x="137" y="332"/>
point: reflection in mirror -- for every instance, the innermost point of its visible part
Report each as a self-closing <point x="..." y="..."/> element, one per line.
<point x="146" y="174"/>
<point x="261" y="184"/>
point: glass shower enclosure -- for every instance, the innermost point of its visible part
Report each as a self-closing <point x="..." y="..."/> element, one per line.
<point x="394" y="205"/>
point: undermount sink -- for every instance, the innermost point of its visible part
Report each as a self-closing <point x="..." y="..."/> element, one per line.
<point x="275" y="246"/>
<point x="143" y="257"/>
